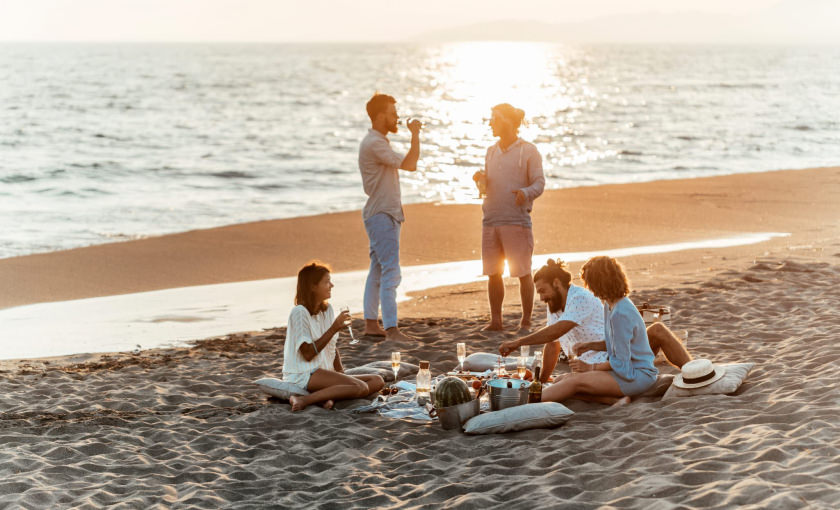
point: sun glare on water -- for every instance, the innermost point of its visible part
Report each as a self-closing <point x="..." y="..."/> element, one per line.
<point x="465" y="81"/>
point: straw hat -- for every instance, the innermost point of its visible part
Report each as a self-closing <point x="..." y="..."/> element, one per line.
<point x="698" y="373"/>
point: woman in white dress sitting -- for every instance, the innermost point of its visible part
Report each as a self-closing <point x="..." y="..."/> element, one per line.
<point x="310" y="356"/>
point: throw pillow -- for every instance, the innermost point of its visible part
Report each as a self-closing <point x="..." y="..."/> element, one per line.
<point x="279" y="388"/>
<point x="729" y="383"/>
<point x="383" y="369"/>
<point x="481" y="361"/>
<point x="528" y="416"/>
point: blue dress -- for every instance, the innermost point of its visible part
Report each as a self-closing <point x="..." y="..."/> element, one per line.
<point x="628" y="348"/>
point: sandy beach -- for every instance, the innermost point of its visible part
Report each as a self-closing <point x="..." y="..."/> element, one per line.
<point x="187" y="427"/>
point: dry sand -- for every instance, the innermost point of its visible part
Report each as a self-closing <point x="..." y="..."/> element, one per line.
<point x="187" y="428"/>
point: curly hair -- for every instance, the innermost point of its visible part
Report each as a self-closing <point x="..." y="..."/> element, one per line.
<point x="309" y="276"/>
<point x="605" y="277"/>
<point x="554" y="270"/>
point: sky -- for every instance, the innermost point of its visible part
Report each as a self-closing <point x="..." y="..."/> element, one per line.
<point x="373" y="21"/>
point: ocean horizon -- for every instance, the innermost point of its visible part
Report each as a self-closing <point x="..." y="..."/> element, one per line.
<point x="110" y="142"/>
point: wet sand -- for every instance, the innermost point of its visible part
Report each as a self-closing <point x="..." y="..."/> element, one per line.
<point x="805" y="203"/>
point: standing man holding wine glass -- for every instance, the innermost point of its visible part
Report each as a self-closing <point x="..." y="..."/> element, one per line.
<point x="512" y="179"/>
<point x="383" y="213"/>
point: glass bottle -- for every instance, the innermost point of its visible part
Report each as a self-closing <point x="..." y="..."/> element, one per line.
<point x="424" y="383"/>
<point x="535" y="390"/>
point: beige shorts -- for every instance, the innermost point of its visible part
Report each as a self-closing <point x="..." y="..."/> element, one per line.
<point x="512" y="242"/>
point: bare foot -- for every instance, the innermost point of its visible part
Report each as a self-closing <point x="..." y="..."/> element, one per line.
<point x="524" y="327"/>
<point x="493" y="326"/>
<point x="372" y="328"/>
<point x="298" y="404"/>
<point x="396" y="334"/>
<point x="623" y="401"/>
<point x="327" y="404"/>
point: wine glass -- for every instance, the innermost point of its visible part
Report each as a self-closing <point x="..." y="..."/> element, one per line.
<point x="524" y="350"/>
<point x="353" y="341"/>
<point x="520" y="367"/>
<point x="462" y="354"/>
<point x="395" y="363"/>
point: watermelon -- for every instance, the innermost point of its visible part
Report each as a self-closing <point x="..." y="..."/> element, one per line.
<point x="451" y="391"/>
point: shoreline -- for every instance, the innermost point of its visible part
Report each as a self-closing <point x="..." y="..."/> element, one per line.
<point x="802" y="202"/>
<point x="174" y="317"/>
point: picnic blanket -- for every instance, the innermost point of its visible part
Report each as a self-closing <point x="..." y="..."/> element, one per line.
<point x="403" y="405"/>
<point x="400" y="406"/>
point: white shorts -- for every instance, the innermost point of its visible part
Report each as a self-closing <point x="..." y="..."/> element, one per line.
<point x="300" y="379"/>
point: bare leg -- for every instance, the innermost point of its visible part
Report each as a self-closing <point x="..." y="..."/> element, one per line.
<point x="660" y="337"/>
<point x="373" y="381"/>
<point x="549" y="361"/>
<point x="526" y="294"/>
<point x="595" y="383"/>
<point x="496" y="296"/>
<point x="328" y="385"/>
<point x="395" y="334"/>
<point x="372" y="328"/>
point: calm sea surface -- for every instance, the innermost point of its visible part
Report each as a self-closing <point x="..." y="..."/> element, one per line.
<point x="111" y="142"/>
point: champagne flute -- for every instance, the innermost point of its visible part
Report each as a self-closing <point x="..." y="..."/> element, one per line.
<point x="462" y="354"/>
<point x="520" y="367"/>
<point x="353" y="341"/>
<point x="395" y="363"/>
<point x="524" y="351"/>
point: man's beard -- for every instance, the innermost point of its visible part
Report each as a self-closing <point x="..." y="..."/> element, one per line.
<point x="555" y="303"/>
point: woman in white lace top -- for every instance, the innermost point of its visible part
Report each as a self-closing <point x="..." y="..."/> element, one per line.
<point x="311" y="358"/>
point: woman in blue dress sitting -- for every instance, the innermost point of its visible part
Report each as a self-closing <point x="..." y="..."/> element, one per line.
<point x="629" y="370"/>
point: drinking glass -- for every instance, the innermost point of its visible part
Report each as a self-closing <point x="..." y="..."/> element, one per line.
<point x="462" y="353"/>
<point x="395" y="363"/>
<point x="524" y="350"/>
<point x="353" y="340"/>
<point x="520" y="367"/>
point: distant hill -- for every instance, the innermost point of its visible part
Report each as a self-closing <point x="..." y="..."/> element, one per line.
<point x="768" y="26"/>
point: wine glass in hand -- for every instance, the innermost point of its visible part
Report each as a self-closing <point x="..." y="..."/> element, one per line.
<point x="353" y="340"/>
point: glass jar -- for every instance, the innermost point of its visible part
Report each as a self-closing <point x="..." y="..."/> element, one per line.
<point x="424" y="384"/>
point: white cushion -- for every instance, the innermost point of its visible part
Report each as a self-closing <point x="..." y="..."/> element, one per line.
<point x="383" y="369"/>
<point x="729" y="383"/>
<point x="529" y="416"/>
<point x="481" y="361"/>
<point x="279" y="388"/>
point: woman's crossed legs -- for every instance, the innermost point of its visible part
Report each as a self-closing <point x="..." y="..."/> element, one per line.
<point x="327" y="385"/>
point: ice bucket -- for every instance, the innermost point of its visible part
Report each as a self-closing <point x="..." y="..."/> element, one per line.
<point x="454" y="417"/>
<point x="502" y="397"/>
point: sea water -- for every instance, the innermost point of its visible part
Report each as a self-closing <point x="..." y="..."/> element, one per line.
<point x="108" y="142"/>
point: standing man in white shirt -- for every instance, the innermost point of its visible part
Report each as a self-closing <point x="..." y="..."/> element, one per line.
<point x="383" y="213"/>
<point x="512" y="180"/>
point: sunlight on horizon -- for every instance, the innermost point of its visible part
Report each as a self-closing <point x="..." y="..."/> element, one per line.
<point x="467" y="79"/>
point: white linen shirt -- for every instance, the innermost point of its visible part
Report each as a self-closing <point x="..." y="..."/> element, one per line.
<point x="304" y="327"/>
<point x="379" y="165"/>
<point x="587" y="311"/>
